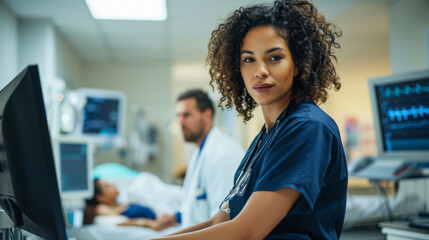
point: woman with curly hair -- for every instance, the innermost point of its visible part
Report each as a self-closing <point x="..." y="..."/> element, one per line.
<point x="292" y="182"/>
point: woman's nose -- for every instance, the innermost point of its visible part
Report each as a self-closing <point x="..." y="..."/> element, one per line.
<point x="261" y="71"/>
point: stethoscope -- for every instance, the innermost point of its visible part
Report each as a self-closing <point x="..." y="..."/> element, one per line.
<point x="239" y="187"/>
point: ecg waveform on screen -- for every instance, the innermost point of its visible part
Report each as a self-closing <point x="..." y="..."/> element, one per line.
<point x="407" y="90"/>
<point x="403" y="114"/>
<point x="407" y="125"/>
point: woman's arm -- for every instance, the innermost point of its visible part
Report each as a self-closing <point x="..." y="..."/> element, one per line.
<point x="261" y="214"/>
<point x="143" y="222"/>
<point x="219" y="217"/>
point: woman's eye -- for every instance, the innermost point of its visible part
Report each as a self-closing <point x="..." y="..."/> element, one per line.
<point x="248" y="60"/>
<point x="275" y="58"/>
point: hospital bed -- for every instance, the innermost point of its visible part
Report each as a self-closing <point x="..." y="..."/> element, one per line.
<point x="134" y="187"/>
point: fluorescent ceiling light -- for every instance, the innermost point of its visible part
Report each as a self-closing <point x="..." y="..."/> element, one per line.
<point x="154" y="10"/>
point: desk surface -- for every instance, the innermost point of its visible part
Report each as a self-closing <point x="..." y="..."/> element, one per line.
<point x="402" y="225"/>
<point x="400" y="230"/>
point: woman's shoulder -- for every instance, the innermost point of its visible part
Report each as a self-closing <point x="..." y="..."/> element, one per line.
<point x="104" y="209"/>
<point x="307" y="114"/>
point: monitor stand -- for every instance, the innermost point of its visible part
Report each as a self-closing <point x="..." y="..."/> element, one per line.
<point x="7" y="229"/>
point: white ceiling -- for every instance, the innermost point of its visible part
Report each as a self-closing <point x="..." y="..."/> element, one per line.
<point x="182" y="37"/>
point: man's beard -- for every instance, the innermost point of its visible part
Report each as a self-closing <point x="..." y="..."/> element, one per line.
<point x="193" y="137"/>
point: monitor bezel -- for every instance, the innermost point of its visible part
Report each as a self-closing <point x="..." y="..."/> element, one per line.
<point x="90" y="165"/>
<point x="412" y="155"/>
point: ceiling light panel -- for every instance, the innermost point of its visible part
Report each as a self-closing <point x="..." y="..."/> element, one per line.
<point x="151" y="10"/>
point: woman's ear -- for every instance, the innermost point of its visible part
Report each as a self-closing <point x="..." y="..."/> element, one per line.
<point x="295" y="72"/>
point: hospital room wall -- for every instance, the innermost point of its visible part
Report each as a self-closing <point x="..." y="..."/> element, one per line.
<point x="409" y="45"/>
<point x="8" y="46"/>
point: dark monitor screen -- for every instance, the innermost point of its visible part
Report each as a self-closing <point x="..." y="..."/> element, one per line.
<point x="101" y="116"/>
<point x="401" y="112"/>
<point x="29" y="191"/>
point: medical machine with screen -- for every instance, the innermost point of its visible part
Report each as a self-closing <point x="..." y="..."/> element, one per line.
<point x="28" y="183"/>
<point x="401" y="118"/>
<point x="74" y="162"/>
<point x="401" y="115"/>
<point x="102" y="115"/>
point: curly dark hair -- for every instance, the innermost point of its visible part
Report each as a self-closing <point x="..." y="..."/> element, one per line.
<point x="308" y="35"/>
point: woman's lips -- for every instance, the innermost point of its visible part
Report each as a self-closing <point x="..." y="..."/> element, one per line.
<point x="262" y="87"/>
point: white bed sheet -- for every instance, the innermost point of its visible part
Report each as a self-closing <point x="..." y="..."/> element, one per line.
<point x="364" y="210"/>
<point x="149" y="190"/>
<point x="99" y="232"/>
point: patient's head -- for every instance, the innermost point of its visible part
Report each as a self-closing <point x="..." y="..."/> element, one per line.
<point x="104" y="193"/>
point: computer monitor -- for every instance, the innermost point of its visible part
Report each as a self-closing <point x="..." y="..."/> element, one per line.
<point x="74" y="161"/>
<point x="103" y="115"/>
<point x="28" y="182"/>
<point x="400" y="105"/>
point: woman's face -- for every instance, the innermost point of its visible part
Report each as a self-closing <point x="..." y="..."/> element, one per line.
<point x="267" y="67"/>
<point x="109" y="192"/>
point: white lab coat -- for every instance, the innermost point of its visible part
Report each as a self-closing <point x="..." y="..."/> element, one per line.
<point x="211" y="175"/>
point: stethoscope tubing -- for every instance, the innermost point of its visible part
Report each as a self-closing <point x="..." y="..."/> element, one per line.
<point x="252" y="163"/>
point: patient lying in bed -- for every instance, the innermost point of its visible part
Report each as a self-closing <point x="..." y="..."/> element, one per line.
<point x="104" y="203"/>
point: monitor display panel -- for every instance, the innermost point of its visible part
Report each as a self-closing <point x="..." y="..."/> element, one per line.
<point x="401" y="115"/>
<point x="74" y="161"/>
<point x="28" y="183"/>
<point x="103" y="115"/>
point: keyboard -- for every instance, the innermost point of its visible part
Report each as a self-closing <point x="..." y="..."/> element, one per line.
<point x="423" y="225"/>
<point x="377" y="173"/>
<point x="381" y="169"/>
<point x="389" y="169"/>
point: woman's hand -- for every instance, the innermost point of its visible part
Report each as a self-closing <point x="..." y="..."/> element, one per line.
<point x="152" y="224"/>
<point x="167" y="220"/>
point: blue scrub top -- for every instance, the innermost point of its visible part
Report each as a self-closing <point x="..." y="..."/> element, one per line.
<point x="304" y="154"/>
